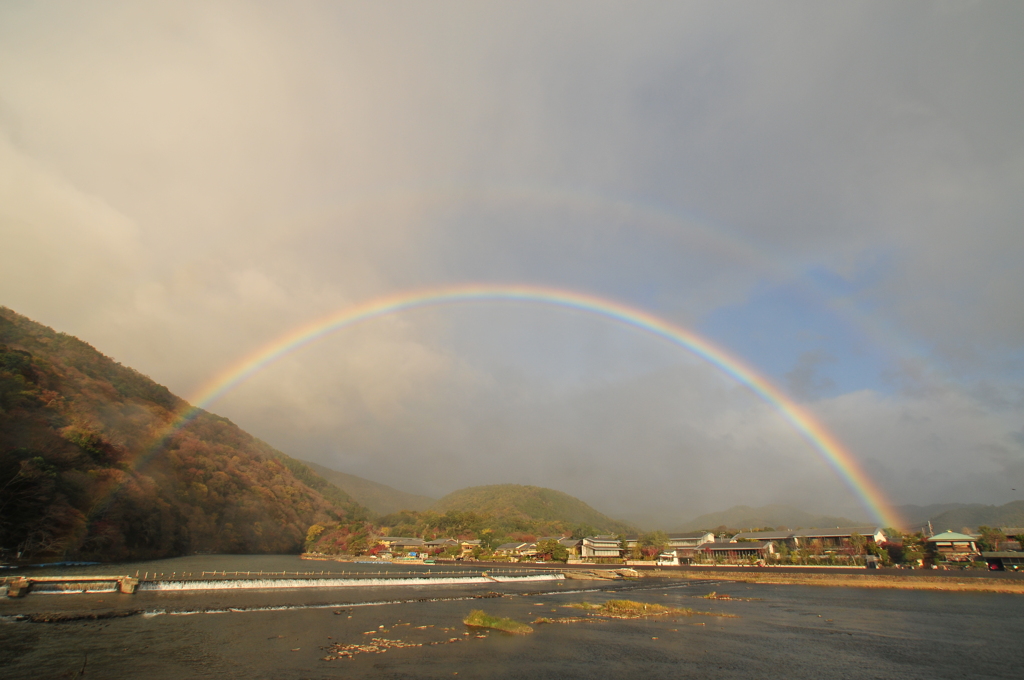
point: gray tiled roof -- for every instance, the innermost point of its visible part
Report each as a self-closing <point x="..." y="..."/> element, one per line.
<point x="764" y="535"/>
<point x="511" y="546"/>
<point x="837" y="532"/>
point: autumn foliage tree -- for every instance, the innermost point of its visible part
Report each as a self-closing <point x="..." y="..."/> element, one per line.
<point x="92" y="464"/>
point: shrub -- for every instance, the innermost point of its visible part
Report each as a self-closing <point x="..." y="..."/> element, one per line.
<point x="478" y="619"/>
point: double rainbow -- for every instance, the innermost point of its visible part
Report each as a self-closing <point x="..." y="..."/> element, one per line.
<point x="835" y="454"/>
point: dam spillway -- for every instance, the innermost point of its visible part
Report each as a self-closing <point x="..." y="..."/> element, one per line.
<point x="365" y="582"/>
<point x="20" y="586"/>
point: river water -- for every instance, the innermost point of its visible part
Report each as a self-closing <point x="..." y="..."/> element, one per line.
<point x="773" y="631"/>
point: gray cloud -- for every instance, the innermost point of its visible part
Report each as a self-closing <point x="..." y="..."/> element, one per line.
<point x="180" y="185"/>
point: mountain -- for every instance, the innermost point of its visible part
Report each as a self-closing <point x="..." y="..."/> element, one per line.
<point x="744" y="517"/>
<point x="91" y="467"/>
<point x="380" y="498"/>
<point x="530" y="504"/>
<point x="917" y="516"/>
<point x="974" y="515"/>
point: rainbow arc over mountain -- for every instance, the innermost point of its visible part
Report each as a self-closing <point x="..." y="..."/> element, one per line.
<point x="815" y="433"/>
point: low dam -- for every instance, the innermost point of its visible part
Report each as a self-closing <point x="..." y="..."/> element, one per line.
<point x="19" y="586"/>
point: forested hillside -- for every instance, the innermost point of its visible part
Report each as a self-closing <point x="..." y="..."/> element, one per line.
<point x="530" y="504"/>
<point x="380" y="498"/>
<point x="493" y="514"/>
<point x="85" y="473"/>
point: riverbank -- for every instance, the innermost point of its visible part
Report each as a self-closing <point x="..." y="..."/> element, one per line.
<point x="900" y="582"/>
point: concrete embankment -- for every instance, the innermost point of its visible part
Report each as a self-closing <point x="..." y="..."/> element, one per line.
<point x="912" y="581"/>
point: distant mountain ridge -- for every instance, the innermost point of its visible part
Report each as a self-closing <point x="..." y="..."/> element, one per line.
<point x="744" y="517"/>
<point x="80" y="478"/>
<point x="976" y="514"/>
<point x="379" y="498"/>
<point x="917" y="516"/>
<point x="530" y="503"/>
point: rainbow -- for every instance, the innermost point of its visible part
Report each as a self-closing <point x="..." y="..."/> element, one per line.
<point x="824" y="442"/>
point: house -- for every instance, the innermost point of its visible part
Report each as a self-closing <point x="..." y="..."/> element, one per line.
<point x="401" y="544"/>
<point x="669" y="558"/>
<point x="572" y="545"/>
<point x="600" y="546"/>
<point x="467" y="547"/>
<point x="1015" y="538"/>
<point x="840" y="536"/>
<point x="439" y="545"/>
<point x="954" y="547"/>
<point x="1004" y="560"/>
<point x="511" y="549"/>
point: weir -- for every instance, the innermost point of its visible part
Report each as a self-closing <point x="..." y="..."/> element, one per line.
<point x="22" y="585"/>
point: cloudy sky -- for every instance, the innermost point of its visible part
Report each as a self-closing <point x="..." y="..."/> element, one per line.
<point x="832" y="192"/>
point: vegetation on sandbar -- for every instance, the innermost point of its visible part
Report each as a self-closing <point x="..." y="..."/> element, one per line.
<point x="630" y="609"/>
<point x="479" y="619"/>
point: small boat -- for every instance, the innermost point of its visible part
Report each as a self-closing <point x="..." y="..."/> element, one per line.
<point x="428" y="562"/>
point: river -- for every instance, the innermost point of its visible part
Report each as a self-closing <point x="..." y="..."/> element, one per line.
<point x="770" y="631"/>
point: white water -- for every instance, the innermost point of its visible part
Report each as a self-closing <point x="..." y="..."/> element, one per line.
<point x="266" y="583"/>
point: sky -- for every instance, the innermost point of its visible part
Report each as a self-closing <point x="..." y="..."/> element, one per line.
<point x="830" y="192"/>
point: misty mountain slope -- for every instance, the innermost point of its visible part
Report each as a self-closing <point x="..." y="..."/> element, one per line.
<point x="73" y="425"/>
<point x="529" y="503"/>
<point x="380" y="498"/>
<point x="744" y="517"/>
<point x="974" y="515"/>
<point x="917" y="516"/>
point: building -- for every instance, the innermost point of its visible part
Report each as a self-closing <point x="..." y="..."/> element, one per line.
<point x="1015" y="538"/>
<point x="467" y="547"/>
<point x="734" y="552"/>
<point x="690" y="539"/>
<point x="953" y="547"/>
<point x="440" y="544"/>
<point x="787" y="538"/>
<point x="402" y="544"/>
<point x="511" y="549"/>
<point x="572" y="545"/>
<point x="600" y="546"/>
<point x="1004" y="560"/>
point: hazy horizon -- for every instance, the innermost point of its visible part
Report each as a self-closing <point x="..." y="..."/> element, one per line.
<point x="831" y="193"/>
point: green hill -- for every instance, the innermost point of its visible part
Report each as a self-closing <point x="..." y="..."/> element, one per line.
<point x="380" y="498"/>
<point x="744" y="517"/>
<point x="531" y="504"/>
<point x="87" y="469"/>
